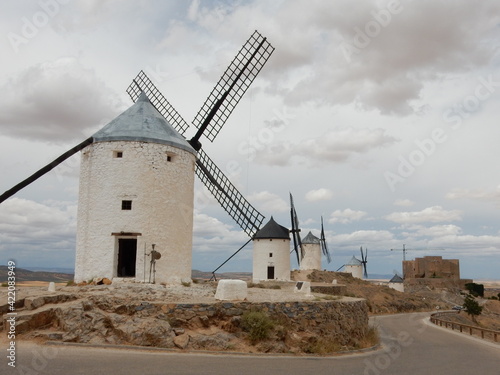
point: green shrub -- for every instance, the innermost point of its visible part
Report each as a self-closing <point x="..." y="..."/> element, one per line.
<point x="472" y="307"/>
<point x="186" y="283"/>
<point x="258" y="325"/>
<point x="475" y="289"/>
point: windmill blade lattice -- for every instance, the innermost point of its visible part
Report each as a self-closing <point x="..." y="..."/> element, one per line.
<point x="324" y="247"/>
<point x="364" y="260"/>
<point x="233" y="202"/>
<point x="142" y="83"/>
<point x="297" y="242"/>
<point x="232" y="85"/>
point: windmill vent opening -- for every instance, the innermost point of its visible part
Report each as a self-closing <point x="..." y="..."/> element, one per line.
<point x="170" y="156"/>
<point x="126" y="205"/>
<point x="270" y="255"/>
<point x="118" y="154"/>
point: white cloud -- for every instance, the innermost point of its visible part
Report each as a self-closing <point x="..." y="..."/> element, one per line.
<point x="34" y="233"/>
<point x="403" y="202"/>
<point x="269" y="202"/>
<point x="321" y="194"/>
<point x="332" y="147"/>
<point x="346" y="216"/>
<point x="432" y="214"/>
<point x="486" y="195"/>
<point x="373" y="237"/>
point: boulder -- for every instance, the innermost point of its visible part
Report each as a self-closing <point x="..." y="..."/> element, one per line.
<point x="231" y="290"/>
<point x="303" y="287"/>
<point x="181" y="341"/>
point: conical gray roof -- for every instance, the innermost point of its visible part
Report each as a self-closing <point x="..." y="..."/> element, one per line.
<point x="354" y="262"/>
<point x="310" y="239"/>
<point x="272" y="230"/>
<point x="396" y="279"/>
<point x="143" y="123"/>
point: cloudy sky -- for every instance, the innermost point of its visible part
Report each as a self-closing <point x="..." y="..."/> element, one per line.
<point x="380" y="116"/>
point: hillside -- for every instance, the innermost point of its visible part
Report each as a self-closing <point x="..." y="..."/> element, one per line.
<point x="26" y="275"/>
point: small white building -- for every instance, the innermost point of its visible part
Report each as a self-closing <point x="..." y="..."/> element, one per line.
<point x="312" y="253"/>
<point x="271" y="253"/>
<point x="396" y="283"/>
<point x="136" y="190"/>
<point x="354" y="267"/>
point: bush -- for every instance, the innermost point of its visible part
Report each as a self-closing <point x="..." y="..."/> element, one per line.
<point x="258" y="325"/>
<point x="475" y="289"/>
<point x="471" y="307"/>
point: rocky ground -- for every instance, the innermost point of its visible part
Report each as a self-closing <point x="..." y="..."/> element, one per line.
<point x="137" y="314"/>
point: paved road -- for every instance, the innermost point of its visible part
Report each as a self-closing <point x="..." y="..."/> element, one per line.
<point x="410" y="347"/>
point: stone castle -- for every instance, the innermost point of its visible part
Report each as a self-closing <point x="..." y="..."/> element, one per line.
<point x="434" y="271"/>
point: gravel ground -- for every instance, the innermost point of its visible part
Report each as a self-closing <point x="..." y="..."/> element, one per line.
<point x="195" y="293"/>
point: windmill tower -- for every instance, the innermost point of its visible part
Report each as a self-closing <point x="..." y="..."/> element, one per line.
<point x="313" y="248"/>
<point x="271" y="253"/>
<point x="354" y="267"/>
<point x="357" y="267"/>
<point x="137" y="178"/>
<point x="136" y="173"/>
<point x="397" y="283"/>
<point x="312" y="253"/>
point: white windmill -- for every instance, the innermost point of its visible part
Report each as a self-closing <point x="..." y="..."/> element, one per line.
<point x="357" y="267"/>
<point x="271" y="253"/>
<point x="137" y="176"/>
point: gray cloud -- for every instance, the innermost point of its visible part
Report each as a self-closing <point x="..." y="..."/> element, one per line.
<point x="56" y="101"/>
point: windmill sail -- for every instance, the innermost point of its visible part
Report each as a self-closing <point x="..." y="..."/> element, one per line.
<point x="324" y="247"/>
<point x="232" y="85"/>
<point x="231" y="200"/>
<point x="297" y="242"/>
<point x="210" y="119"/>
<point x="35" y="176"/>
<point x="142" y="83"/>
<point x="364" y="260"/>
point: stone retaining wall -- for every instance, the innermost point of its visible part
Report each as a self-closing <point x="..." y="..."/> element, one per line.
<point x="342" y="320"/>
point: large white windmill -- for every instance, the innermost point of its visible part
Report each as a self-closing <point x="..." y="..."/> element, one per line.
<point x="137" y="176"/>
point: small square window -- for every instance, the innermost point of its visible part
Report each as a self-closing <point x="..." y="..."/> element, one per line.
<point x="170" y="156"/>
<point x="118" y="154"/>
<point x="270" y="255"/>
<point x="126" y="205"/>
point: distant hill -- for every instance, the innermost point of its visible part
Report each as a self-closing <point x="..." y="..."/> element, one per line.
<point x="27" y="275"/>
<point x="205" y="275"/>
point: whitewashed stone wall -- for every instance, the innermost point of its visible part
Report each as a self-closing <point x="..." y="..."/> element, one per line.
<point x="397" y="286"/>
<point x="280" y="259"/>
<point x="355" y="271"/>
<point x="161" y="192"/>
<point x="312" y="257"/>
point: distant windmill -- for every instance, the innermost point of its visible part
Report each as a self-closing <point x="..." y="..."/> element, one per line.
<point x="308" y="250"/>
<point x="357" y="267"/>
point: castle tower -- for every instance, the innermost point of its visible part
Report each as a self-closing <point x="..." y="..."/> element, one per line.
<point x="312" y="253"/>
<point x="136" y="190"/>
<point x="271" y="253"/>
<point x="354" y="267"/>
